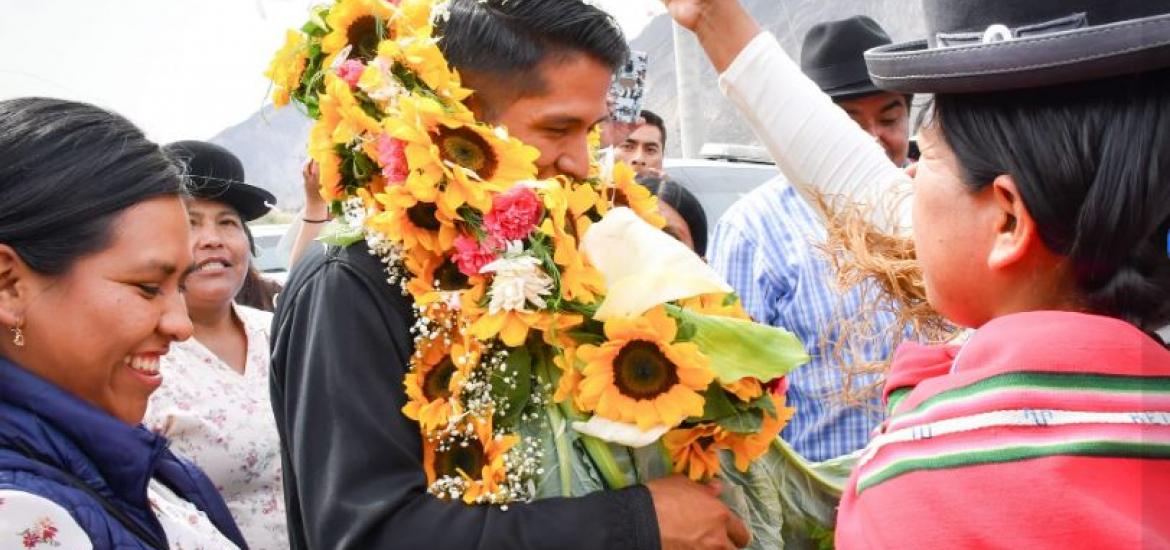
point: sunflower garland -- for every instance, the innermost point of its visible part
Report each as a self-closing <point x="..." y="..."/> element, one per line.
<point x="509" y="331"/>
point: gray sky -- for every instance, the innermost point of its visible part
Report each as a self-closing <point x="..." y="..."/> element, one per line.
<point x="180" y="69"/>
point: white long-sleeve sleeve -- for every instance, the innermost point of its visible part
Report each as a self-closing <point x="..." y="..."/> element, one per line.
<point x="814" y="142"/>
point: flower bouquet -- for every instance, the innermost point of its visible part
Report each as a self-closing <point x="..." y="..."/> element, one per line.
<point x="564" y="344"/>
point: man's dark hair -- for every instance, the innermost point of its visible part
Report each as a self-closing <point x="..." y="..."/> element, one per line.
<point x="653" y="119"/>
<point x="67" y="170"/>
<point x="504" y="41"/>
<point x="1092" y="162"/>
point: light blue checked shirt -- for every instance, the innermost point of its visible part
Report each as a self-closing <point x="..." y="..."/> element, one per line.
<point x="764" y="246"/>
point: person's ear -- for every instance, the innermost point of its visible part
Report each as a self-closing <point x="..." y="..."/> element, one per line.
<point x="17" y="282"/>
<point x="1015" y="230"/>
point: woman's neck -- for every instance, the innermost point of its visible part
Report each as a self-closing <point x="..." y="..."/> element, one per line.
<point x="212" y="319"/>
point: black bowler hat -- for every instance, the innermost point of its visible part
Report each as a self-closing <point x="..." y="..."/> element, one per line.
<point x="991" y="45"/>
<point x="216" y="174"/>
<point x="833" y="56"/>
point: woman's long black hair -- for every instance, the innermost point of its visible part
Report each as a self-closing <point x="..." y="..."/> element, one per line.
<point x="66" y="170"/>
<point x="1092" y="164"/>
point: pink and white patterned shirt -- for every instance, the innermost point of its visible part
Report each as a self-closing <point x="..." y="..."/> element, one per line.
<point x="222" y="420"/>
<point x="32" y="522"/>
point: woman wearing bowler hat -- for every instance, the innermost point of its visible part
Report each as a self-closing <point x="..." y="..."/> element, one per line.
<point x="214" y="404"/>
<point x="1039" y="215"/>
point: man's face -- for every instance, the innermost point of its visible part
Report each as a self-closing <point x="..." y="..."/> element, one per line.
<point x="642" y="149"/>
<point x="558" y="121"/>
<point x="886" y="117"/>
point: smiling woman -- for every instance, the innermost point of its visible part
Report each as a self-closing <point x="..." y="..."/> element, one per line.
<point x="214" y="404"/>
<point x="93" y="255"/>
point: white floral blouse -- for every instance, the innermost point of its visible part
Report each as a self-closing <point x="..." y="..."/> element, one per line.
<point x="222" y="420"/>
<point x="29" y="521"/>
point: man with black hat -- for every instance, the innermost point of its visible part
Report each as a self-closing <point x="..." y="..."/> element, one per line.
<point x="833" y="57"/>
<point x="763" y="246"/>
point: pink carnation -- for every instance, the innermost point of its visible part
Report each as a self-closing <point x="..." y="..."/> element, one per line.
<point x="513" y="215"/>
<point x="392" y="158"/>
<point x="471" y="255"/>
<point x="351" y="71"/>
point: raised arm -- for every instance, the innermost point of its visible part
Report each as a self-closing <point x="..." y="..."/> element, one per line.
<point x="814" y="143"/>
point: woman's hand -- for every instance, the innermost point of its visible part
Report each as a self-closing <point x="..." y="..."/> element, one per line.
<point x="687" y="12"/>
<point x="723" y="27"/>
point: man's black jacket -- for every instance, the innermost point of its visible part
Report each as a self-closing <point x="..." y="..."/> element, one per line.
<point x="353" y="473"/>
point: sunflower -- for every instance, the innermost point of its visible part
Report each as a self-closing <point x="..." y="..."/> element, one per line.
<point x="746" y="389"/>
<point x="511" y="327"/>
<point x="435" y="278"/>
<point x="719" y="305"/>
<point x="423" y="57"/>
<point x="695" y="450"/>
<point x="352" y="119"/>
<point x="579" y="281"/>
<point x="287" y="67"/>
<point x="432" y="385"/>
<point x="639" y="375"/>
<point x="446" y="150"/>
<point x="555" y="325"/>
<point x="361" y="24"/>
<point x="625" y="191"/>
<point x="413" y="222"/>
<point x="475" y="457"/>
<point x="748" y="447"/>
<point x="570" y="375"/>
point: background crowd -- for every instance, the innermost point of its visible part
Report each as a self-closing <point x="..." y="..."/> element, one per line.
<point x="150" y="398"/>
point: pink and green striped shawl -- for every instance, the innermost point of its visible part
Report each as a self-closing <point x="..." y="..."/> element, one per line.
<point x="1045" y="430"/>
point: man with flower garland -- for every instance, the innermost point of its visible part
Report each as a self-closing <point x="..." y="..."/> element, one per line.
<point x="353" y="464"/>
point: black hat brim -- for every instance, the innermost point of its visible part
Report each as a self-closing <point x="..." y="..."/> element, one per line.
<point x="853" y="91"/>
<point x="250" y="201"/>
<point x="1103" y="51"/>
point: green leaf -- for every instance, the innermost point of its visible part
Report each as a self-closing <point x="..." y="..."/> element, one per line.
<point x="512" y="386"/>
<point x="718" y="407"/>
<point x="339" y="233"/>
<point x="686" y="331"/>
<point x="739" y="348"/>
<point x="730" y="299"/>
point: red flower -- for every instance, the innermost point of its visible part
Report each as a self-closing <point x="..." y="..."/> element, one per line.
<point x="351" y="71"/>
<point x="470" y="255"/>
<point x="778" y="386"/>
<point x="513" y="215"/>
<point x="392" y="157"/>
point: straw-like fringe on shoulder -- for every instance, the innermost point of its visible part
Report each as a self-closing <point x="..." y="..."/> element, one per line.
<point x="884" y="264"/>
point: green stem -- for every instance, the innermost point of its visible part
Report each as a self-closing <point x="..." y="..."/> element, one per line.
<point x="602" y="457"/>
<point x="598" y="450"/>
<point x="564" y="454"/>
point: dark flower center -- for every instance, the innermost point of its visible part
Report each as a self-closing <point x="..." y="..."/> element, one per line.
<point x="437" y="384"/>
<point x="449" y="277"/>
<point x="469" y="460"/>
<point x="641" y="371"/>
<point x="464" y="147"/>
<point x="422" y="215"/>
<point x="363" y="35"/>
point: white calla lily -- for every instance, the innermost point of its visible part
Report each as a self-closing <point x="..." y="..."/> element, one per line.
<point x="619" y="432"/>
<point x="643" y="266"/>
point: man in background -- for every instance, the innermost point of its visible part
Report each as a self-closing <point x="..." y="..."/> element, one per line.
<point x="765" y="247"/>
<point x="644" y="147"/>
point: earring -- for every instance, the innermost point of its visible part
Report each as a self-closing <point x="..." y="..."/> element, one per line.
<point x="18" y="335"/>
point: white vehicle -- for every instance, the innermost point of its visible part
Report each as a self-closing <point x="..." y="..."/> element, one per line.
<point x="271" y="255"/>
<point x="726" y="174"/>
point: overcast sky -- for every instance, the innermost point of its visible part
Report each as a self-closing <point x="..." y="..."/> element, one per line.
<point x="178" y="68"/>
